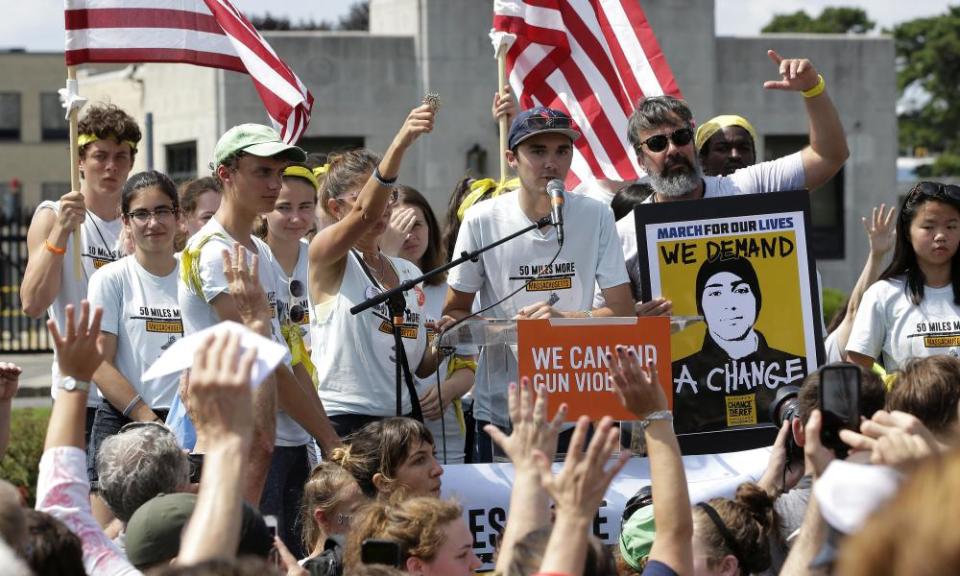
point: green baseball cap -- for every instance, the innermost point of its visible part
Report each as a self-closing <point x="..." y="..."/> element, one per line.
<point x="258" y="140"/>
<point x="636" y="536"/>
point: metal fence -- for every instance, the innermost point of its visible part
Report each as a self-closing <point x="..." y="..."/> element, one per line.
<point x="18" y="332"/>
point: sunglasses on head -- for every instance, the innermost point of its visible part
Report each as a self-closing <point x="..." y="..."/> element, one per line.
<point x="539" y="122"/>
<point x="658" y="143"/>
<point x="937" y="190"/>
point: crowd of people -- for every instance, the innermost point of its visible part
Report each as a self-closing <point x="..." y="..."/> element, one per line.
<point x="340" y="447"/>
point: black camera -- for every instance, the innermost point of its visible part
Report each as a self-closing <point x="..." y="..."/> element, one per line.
<point x="785" y="407"/>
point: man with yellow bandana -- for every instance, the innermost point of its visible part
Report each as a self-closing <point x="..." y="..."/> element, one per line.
<point x="108" y="139"/>
<point x="725" y="144"/>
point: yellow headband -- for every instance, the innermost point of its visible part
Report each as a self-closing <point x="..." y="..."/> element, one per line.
<point x="301" y="172"/>
<point x="84" y="139"/>
<point x="713" y="125"/>
<point x="321" y="170"/>
<point x="481" y="188"/>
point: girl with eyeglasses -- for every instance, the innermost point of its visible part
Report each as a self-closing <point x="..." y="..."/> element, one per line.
<point x="141" y="316"/>
<point x="913" y="310"/>
<point x="355" y="355"/>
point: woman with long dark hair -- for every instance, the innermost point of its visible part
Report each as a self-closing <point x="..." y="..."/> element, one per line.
<point x="914" y="309"/>
<point x="141" y="314"/>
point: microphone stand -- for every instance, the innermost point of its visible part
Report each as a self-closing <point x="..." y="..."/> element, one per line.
<point x="396" y="303"/>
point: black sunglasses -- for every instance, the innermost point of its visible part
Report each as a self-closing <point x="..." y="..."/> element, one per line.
<point x="658" y="143"/>
<point x="937" y="190"/>
<point x="297" y="313"/>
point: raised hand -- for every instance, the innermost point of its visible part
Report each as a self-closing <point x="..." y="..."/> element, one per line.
<point x="504" y="106"/>
<point x="881" y="229"/>
<point x="420" y="121"/>
<point x="580" y="486"/>
<point x="893" y="438"/>
<point x="73" y="211"/>
<point x="243" y="284"/>
<point x="9" y="381"/>
<point x="77" y="353"/>
<point x="532" y="432"/>
<point x="401" y="223"/>
<point x="654" y="307"/>
<point x="816" y="455"/>
<point x="796" y="74"/>
<point x="221" y="399"/>
<point x="637" y="386"/>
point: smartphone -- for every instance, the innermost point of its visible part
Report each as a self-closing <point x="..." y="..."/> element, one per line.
<point x="271" y="522"/>
<point x="374" y="551"/>
<point x="839" y="404"/>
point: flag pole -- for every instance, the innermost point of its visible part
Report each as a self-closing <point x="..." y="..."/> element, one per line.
<point x="75" y="174"/>
<point x="502" y="81"/>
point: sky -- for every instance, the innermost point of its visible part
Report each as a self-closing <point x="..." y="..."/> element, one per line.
<point x="38" y="26"/>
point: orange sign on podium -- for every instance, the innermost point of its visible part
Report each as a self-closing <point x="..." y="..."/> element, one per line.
<point x="566" y="358"/>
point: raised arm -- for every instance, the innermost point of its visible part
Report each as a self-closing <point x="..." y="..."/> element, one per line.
<point x="640" y="392"/>
<point x="532" y="432"/>
<point x="332" y="244"/>
<point x="222" y="402"/>
<point x="828" y="143"/>
<point x="46" y="249"/>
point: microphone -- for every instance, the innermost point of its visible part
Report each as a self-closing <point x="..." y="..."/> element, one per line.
<point x="555" y="191"/>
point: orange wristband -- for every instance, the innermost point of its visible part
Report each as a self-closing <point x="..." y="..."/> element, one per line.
<point x="53" y="249"/>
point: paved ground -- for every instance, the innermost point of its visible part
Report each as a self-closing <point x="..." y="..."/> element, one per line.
<point x="35" y="380"/>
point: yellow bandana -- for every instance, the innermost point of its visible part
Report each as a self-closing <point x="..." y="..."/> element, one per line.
<point x="190" y="263"/>
<point x="298" y="350"/>
<point x="481" y="188"/>
<point x="301" y="172"/>
<point x="717" y="123"/>
<point x="84" y="139"/>
<point x="321" y="170"/>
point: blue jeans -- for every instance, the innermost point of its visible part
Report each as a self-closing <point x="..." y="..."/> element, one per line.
<point x="289" y="471"/>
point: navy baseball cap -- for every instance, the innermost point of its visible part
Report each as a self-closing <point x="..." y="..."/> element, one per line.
<point x="540" y="120"/>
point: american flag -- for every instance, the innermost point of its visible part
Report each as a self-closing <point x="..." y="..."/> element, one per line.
<point x="592" y="59"/>
<point x="201" y="32"/>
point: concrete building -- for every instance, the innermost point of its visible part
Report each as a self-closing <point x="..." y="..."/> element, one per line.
<point x="364" y="84"/>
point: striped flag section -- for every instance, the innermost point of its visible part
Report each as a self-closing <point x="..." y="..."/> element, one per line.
<point x="202" y="32"/>
<point x="592" y="59"/>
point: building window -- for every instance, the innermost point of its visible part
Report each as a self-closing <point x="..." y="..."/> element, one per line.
<point x="826" y="202"/>
<point x="53" y="190"/>
<point x="9" y="115"/>
<point x="182" y="161"/>
<point x="53" y="125"/>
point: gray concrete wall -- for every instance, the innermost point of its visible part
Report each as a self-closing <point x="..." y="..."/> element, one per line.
<point x="861" y="80"/>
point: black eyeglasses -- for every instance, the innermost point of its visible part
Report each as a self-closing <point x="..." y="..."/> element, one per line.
<point x="936" y="190"/>
<point x="297" y="312"/>
<point x="161" y="214"/>
<point x="658" y="143"/>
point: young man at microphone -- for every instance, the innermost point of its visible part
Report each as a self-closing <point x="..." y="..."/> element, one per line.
<point x="554" y="280"/>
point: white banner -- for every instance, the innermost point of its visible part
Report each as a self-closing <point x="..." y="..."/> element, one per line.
<point x="484" y="491"/>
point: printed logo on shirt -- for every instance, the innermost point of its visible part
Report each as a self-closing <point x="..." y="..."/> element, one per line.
<point x="409" y="329"/>
<point x="101" y="256"/>
<point x="944" y="334"/>
<point x="741" y="409"/>
<point x="163" y="320"/>
<point x="546" y="277"/>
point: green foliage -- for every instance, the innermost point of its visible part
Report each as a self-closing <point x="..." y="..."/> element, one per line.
<point x="928" y="57"/>
<point x="832" y="299"/>
<point x="947" y="164"/>
<point x="20" y="466"/>
<point x="830" y="21"/>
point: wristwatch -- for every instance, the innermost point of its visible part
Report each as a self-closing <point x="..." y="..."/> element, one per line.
<point x="654" y="416"/>
<point x="73" y="385"/>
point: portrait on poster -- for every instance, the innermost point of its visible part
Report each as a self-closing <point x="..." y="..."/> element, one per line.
<point x="746" y="271"/>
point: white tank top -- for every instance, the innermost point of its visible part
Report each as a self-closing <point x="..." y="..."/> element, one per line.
<point x="354" y="354"/>
<point x="100" y="245"/>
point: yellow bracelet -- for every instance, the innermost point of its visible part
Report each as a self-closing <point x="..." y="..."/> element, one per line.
<point x="456" y="363"/>
<point x="816" y="90"/>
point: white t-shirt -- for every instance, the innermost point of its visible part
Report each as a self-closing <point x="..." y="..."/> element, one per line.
<point x="433" y="309"/>
<point x="777" y="175"/>
<point x="199" y="314"/>
<point x="285" y="299"/>
<point x="142" y="311"/>
<point x="354" y="354"/>
<point x="99" y="245"/>
<point x="892" y="329"/>
<point x="590" y="256"/>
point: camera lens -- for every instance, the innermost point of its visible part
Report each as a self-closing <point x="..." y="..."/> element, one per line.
<point x="785" y="405"/>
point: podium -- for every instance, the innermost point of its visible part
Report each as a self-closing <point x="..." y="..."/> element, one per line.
<point x="499" y="339"/>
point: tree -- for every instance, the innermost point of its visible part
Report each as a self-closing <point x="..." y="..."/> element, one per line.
<point x="830" y="21"/>
<point x="928" y="58"/>
<point x="357" y="18"/>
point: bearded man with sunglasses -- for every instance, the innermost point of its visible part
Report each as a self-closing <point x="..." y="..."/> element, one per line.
<point x="532" y="277"/>
<point x="661" y="132"/>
